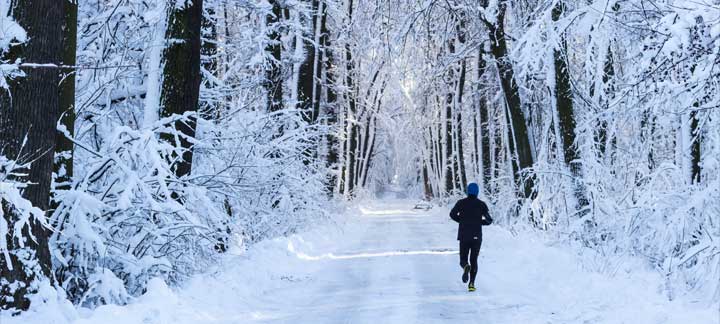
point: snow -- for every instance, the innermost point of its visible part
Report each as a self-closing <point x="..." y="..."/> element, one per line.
<point x="385" y="262"/>
<point x="11" y="33"/>
<point x="152" y="100"/>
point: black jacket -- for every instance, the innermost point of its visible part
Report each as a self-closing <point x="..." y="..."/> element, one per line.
<point x="471" y="213"/>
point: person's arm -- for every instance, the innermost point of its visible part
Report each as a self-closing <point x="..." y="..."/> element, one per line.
<point x="455" y="212"/>
<point x="486" y="219"/>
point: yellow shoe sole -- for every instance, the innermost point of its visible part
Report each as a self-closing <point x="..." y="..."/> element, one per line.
<point x="471" y="289"/>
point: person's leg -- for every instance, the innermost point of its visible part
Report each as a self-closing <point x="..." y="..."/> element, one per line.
<point x="474" y="253"/>
<point x="464" y="252"/>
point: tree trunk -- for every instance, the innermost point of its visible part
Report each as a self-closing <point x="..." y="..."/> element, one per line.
<point x="448" y="143"/>
<point x="460" y="156"/>
<point x="330" y="109"/>
<point x="306" y="86"/>
<point x="484" y="115"/>
<point x="64" y="148"/>
<point x="273" y="74"/>
<point x="351" y="123"/>
<point x="696" y="140"/>
<point x="451" y="178"/>
<point x="30" y="110"/>
<point x="370" y="149"/>
<point x="63" y="167"/>
<point x="608" y="74"/>
<point x="459" y="137"/>
<point x="427" y="187"/>
<point x="564" y="106"/>
<point x="428" y="163"/>
<point x="518" y="136"/>
<point x="441" y="163"/>
<point x="180" y="91"/>
<point x="319" y="17"/>
<point x="209" y="58"/>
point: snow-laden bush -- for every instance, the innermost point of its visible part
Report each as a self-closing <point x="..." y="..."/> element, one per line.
<point x="271" y="185"/>
<point x="10" y="34"/>
<point x="645" y="201"/>
<point x="17" y="219"/>
<point x="128" y="218"/>
<point x="132" y="217"/>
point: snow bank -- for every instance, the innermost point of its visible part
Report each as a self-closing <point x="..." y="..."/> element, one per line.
<point x="524" y="278"/>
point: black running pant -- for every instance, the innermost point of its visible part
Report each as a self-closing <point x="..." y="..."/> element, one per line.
<point x="470" y="248"/>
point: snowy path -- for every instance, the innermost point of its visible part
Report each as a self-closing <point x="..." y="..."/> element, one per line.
<point x="390" y="264"/>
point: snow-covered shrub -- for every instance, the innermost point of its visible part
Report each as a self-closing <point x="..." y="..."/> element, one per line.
<point x="270" y="186"/>
<point x="17" y="218"/>
<point x="129" y="215"/>
<point x="10" y="34"/>
<point x="641" y="87"/>
<point x="128" y="218"/>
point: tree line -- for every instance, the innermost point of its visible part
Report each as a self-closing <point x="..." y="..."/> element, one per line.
<point x="141" y="138"/>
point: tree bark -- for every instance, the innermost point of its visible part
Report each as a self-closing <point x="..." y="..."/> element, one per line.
<point x="460" y="157"/>
<point x="30" y="110"/>
<point x="484" y="115"/>
<point x="518" y="136"/>
<point x="696" y="141"/>
<point x="459" y="137"/>
<point x="608" y="73"/>
<point x="330" y="109"/>
<point x="566" y="113"/>
<point x="209" y="58"/>
<point x="351" y="123"/>
<point x="63" y="167"/>
<point x="273" y="74"/>
<point x="180" y="91"/>
<point x="448" y="144"/>
<point x="309" y="67"/>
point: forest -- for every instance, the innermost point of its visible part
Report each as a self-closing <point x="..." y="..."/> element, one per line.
<point x="143" y="139"/>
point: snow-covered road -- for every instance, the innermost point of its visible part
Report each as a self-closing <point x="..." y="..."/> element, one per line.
<point x="389" y="263"/>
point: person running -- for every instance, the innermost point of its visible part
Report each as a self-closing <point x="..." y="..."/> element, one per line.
<point x="471" y="214"/>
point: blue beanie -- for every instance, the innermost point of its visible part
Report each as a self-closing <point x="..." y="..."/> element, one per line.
<point x="473" y="189"/>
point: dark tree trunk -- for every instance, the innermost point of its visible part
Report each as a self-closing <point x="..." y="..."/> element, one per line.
<point x="459" y="137"/>
<point x="564" y="106"/>
<point x="30" y="110"/>
<point x="602" y="138"/>
<point x="429" y="164"/>
<point x="64" y="146"/>
<point x="352" y="128"/>
<point x="368" y="136"/>
<point x="181" y="77"/>
<point x="440" y="150"/>
<point x="518" y="136"/>
<point x="370" y="150"/>
<point x="477" y="164"/>
<point x="484" y="129"/>
<point x="647" y="137"/>
<point x="351" y="156"/>
<point x="451" y="167"/>
<point x="449" y="160"/>
<point x="209" y="58"/>
<point x="330" y="108"/>
<point x="460" y="157"/>
<point x="273" y="74"/>
<point x="319" y="19"/>
<point x="427" y="187"/>
<point x="695" y="155"/>
<point x="306" y="89"/>
<point x="608" y="74"/>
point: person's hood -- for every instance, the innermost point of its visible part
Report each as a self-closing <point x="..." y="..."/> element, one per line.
<point x="473" y="189"/>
